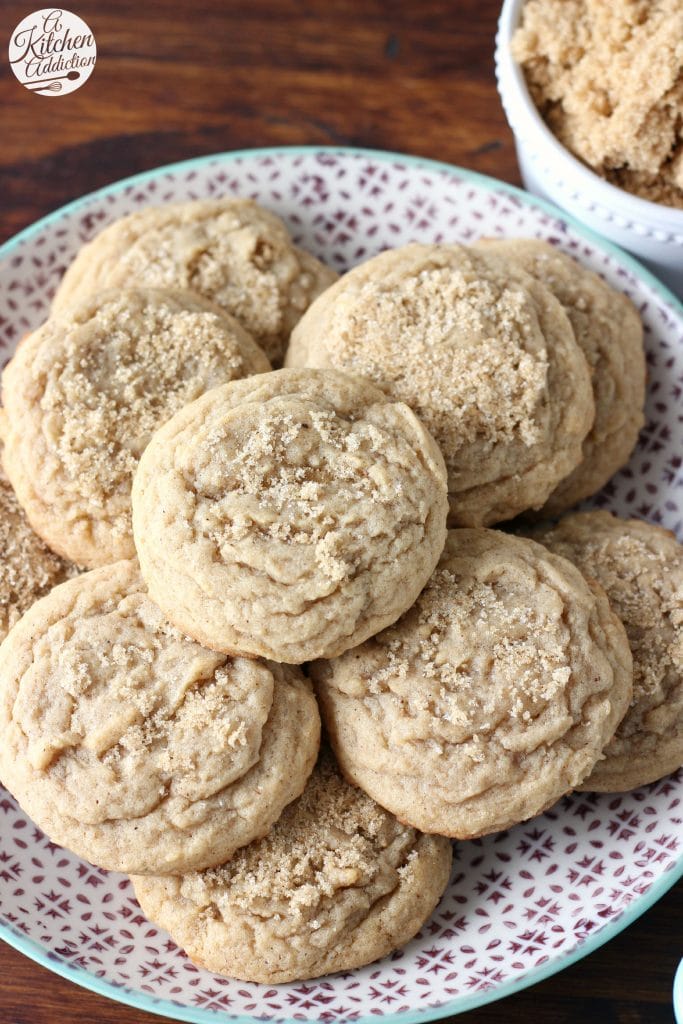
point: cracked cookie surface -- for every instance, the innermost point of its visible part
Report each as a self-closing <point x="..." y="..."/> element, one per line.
<point x="484" y="356"/>
<point x="289" y="516"/>
<point x="490" y="699"/>
<point x="83" y="395"/>
<point x="640" y="567"/>
<point x="338" y="883"/>
<point x="609" y="331"/>
<point x="134" y="746"/>
<point x="231" y="251"/>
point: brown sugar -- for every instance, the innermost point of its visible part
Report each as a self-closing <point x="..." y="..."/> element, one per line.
<point x="29" y="569"/>
<point x="607" y="76"/>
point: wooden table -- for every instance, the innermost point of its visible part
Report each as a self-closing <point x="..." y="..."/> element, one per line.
<point x="180" y="79"/>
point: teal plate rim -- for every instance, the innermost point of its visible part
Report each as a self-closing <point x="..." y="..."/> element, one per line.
<point x="176" y="1011"/>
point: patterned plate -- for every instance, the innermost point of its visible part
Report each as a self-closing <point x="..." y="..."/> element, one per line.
<point x="521" y="904"/>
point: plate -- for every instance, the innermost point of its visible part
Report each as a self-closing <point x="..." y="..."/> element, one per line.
<point x="521" y="904"/>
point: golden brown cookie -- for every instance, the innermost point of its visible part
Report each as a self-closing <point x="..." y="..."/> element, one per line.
<point x="338" y="883"/>
<point x="137" y="748"/>
<point x="83" y="395"/>
<point x="485" y="357"/>
<point x="232" y="251"/>
<point x="490" y="699"/>
<point x="289" y="516"/>
<point x="28" y="569"/>
<point x="640" y="567"/>
<point x="609" y="330"/>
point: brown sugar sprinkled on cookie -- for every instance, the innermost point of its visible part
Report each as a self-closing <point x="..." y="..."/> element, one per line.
<point x="499" y="382"/>
<point x="84" y="394"/>
<point x="28" y="569"/>
<point x="485" y="357"/>
<point x="539" y="676"/>
<point x="609" y="332"/>
<point x="136" y="747"/>
<point x="278" y="463"/>
<point x="310" y="508"/>
<point x="337" y="883"/>
<point x="490" y="698"/>
<point x="640" y="567"/>
<point x="231" y="251"/>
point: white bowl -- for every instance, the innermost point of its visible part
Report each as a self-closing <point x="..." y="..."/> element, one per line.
<point x="678" y="994"/>
<point x="652" y="232"/>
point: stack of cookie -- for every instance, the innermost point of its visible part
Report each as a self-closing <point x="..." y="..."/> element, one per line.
<point x="253" y="533"/>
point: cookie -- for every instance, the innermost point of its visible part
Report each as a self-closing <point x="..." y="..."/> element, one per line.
<point x="640" y="567"/>
<point x="609" y="330"/>
<point x="338" y="883"/>
<point x="83" y="395"/>
<point x="289" y="516"/>
<point x="487" y="359"/>
<point x="28" y="569"/>
<point x="229" y="250"/>
<point x="490" y="699"/>
<point x="137" y="748"/>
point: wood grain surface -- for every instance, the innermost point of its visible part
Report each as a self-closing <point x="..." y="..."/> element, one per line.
<point x="180" y="78"/>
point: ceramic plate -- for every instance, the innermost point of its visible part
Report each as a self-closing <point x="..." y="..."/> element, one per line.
<point x="522" y="904"/>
